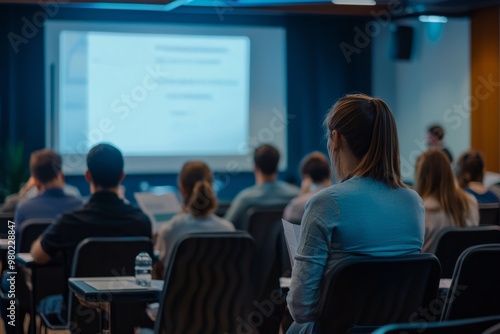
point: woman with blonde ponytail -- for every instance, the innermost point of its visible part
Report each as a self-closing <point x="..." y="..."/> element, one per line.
<point x="198" y="206"/>
<point x="370" y="212"/>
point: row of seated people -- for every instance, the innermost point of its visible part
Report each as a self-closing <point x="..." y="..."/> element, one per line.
<point x="106" y="214"/>
<point x="371" y="191"/>
<point x="446" y="205"/>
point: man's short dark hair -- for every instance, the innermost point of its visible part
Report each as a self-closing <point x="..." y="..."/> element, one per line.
<point x="437" y="131"/>
<point x="105" y="164"/>
<point x="316" y="166"/>
<point x="45" y="165"/>
<point x="266" y="158"/>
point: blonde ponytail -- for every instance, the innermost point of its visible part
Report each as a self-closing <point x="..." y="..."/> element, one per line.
<point x="198" y="195"/>
<point x="202" y="201"/>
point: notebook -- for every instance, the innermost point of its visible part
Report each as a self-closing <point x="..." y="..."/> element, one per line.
<point x="159" y="208"/>
<point x="292" y="237"/>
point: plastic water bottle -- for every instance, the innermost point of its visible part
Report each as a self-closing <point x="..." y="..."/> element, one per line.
<point x="143" y="269"/>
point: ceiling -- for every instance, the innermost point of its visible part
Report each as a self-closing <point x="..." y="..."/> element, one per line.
<point x="411" y="7"/>
<point x="450" y="7"/>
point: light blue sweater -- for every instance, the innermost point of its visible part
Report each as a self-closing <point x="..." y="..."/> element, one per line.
<point x="360" y="216"/>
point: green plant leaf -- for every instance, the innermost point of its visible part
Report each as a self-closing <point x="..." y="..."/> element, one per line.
<point x="14" y="170"/>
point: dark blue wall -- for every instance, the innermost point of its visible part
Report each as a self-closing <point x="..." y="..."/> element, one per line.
<point x="317" y="75"/>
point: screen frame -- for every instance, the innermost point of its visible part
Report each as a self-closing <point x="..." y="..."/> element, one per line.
<point x="276" y="124"/>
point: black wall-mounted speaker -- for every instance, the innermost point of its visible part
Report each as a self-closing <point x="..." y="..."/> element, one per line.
<point x="402" y="42"/>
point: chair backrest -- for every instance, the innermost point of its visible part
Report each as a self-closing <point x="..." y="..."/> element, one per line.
<point x="262" y="214"/>
<point x="489" y="213"/>
<point x="114" y="256"/>
<point x="106" y="257"/>
<point x="4" y="223"/>
<point x="272" y="260"/>
<point x="373" y="291"/>
<point x="475" y="289"/>
<point x="453" y="241"/>
<point x="49" y="280"/>
<point x="31" y="229"/>
<point x="208" y="287"/>
<point x="466" y="326"/>
<point x="222" y="208"/>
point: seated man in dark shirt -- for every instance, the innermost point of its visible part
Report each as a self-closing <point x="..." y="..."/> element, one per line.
<point x="105" y="215"/>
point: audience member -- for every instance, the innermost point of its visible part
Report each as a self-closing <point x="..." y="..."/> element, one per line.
<point x="198" y="206"/>
<point x="470" y="174"/>
<point x="370" y="212"/>
<point x="11" y="201"/>
<point x="435" y="139"/>
<point x="315" y="172"/>
<point x="105" y="215"/>
<point x="268" y="191"/>
<point x="48" y="178"/>
<point x="28" y="191"/>
<point x="48" y="181"/>
<point x="446" y="204"/>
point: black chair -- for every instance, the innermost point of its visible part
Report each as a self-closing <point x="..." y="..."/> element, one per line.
<point x="101" y="257"/>
<point x="466" y="326"/>
<point x="262" y="215"/>
<point x="23" y="299"/>
<point x="265" y="226"/>
<point x="489" y="213"/>
<point x="272" y="260"/>
<point x="222" y="208"/>
<point x="362" y="293"/>
<point x="31" y="229"/>
<point x="208" y="285"/>
<point x="48" y="280"/>
<point x="475" y="289"/>
<point x="453" y="241"/>
<point x="4" y="223"/>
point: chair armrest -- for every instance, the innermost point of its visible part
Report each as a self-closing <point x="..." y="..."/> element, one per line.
<point x="54" y="321"/>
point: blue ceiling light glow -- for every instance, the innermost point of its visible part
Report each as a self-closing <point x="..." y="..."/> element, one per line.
<point x="174" y="4"/>
<point x="355" y="2"/>
<point x="432" y="19"/>
<point x="115" y="6"/>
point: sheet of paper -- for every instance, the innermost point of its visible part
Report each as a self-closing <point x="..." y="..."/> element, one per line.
<point x="159" y="208"/>
<point x="292" y="237"/>
<point x="445" y="283"/>
<point x="26" y="257"/>
<point x="116" y="285"/>
<point x="285" y="282"/>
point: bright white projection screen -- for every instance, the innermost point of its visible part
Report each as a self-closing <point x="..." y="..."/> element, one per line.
<point x="165" y="93"/>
